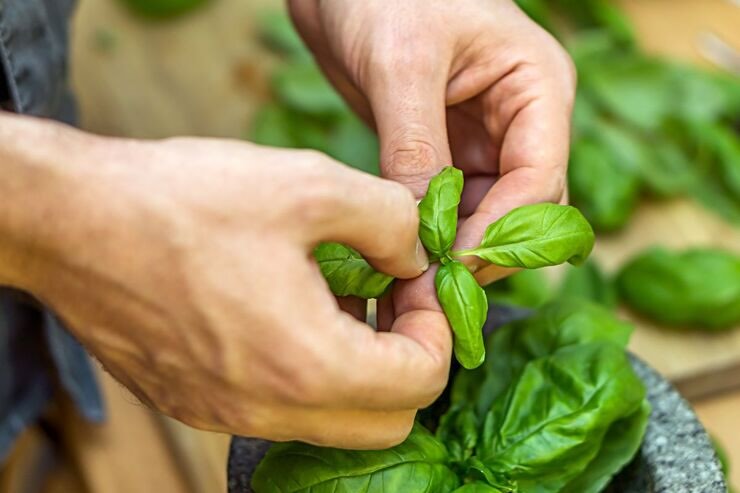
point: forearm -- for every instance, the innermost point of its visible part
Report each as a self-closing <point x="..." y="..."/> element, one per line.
<point x="40" y="196"/>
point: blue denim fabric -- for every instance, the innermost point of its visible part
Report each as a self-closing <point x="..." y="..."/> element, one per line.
<point x="37" y="354"/>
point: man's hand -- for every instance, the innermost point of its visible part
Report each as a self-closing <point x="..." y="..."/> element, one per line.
<point x="185" y="266"/>
<point x="471" y="82"/>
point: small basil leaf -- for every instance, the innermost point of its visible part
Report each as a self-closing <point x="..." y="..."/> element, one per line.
<point x="535" y="236"/>
<point x="348" y="274"/>
<point x="698" y="287"/>
<point x="458" y="430"/>
<point x="438" y="211"/>
<point x="465" y="304"/>
<point x="418" y="465"/>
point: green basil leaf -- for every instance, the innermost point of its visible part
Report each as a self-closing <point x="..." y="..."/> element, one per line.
<point x="604" y="191"/>
<point x="458" y="430"/>
<point x="553" y="418"/>
<point x="619" y="446"/>
<point x="277" y="32"/>
<point x="348" y="274"/>
<point x="535" y="236"/>
<point x="477" y="487"/>
<point x="527" y="288"/>
<point x="477" y="470"/>
<point x="418" y="465"/>
<point x="465" y="304"/>
<point x="588" y="282"/>
<point x="438" y="211"/>
<point x="302" y="87"/>
<point x="163" y="9"/>
<point x="697" y="287"/>
<point x="559" y="324"/>
<point x="353" y="143"/>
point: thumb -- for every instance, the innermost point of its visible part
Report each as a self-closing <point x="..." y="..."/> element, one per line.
<point x="408" y="104"/>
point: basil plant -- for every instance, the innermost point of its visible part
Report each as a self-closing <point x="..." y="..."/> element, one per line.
<point x="529" y="237"/>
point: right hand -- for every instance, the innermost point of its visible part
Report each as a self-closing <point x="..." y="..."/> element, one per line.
<point x="185" y="267"/>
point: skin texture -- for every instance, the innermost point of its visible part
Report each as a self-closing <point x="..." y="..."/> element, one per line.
<point x="472" y="82"/>
<point x="162" y="257"/>
<point x="185" y="267"/>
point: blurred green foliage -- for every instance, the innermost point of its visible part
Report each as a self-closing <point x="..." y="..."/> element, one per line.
<point x="642" y="125"/>
<point x="306" y="111"/>
<point x="162" y="9"/>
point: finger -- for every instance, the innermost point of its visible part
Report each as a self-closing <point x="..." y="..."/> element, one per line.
<point x="406" y="91"/>
<point x="377" y="217"/>
<point x="406" y="368"/>
<point x="534" y="135"/>
<point x="341" y="428"/>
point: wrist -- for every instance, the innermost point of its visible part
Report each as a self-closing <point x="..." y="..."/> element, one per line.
<point x="43" y="195"/>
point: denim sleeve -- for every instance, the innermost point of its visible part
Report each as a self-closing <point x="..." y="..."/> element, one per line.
<point x="37" y="354"/>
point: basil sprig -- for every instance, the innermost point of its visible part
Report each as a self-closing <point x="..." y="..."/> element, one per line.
<point x="530" y="237"/>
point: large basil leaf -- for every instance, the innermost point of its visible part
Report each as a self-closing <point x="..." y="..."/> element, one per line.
<point x="552" y="420"/>
<point x="619" y="445"/>
<point x="348" y="274"/>
<point x="588" y="282"/>
<point x="559" y="324"/>
<point x="477" y="487"/>
<point x="536" y="236"/>
<point x="465" y="305"/>
<point x="698" y="287"/>
<point x="418" y="465"/>
<point x="438" y="211"/>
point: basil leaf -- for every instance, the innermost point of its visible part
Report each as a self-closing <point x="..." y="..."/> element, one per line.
<point x="620" y="444"/>
<point x="536" y="236"/>
<point x="605" y="192"/>
<point x="589" y="283"/>
<point x="353" y="143"/>
<point x="465" y="305"/>
<point x="348" y="274"/>
<point x="698" y="287"/>
<point x="559" y="324"/>
<point x="277" y="32"/>
<point x="552" y="420"/>
<point x="458" y="430"/>
<point x="527" y="288"/>
<point x="438" y="211"/>
<point x="477" y="487"/>
<point x="302" y="87"/>
<point x="418" y="465"/>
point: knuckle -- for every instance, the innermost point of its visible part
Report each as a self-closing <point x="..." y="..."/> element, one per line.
<point x="314" y="192"/>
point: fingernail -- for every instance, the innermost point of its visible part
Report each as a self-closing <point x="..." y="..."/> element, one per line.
<point x="421" y="256"/>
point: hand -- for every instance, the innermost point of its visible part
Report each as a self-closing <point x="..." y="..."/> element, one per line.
<point x="185" y="267"/>
<point x="472" y="82"/>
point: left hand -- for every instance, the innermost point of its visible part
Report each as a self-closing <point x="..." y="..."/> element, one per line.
<point x="471" y="82"/>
